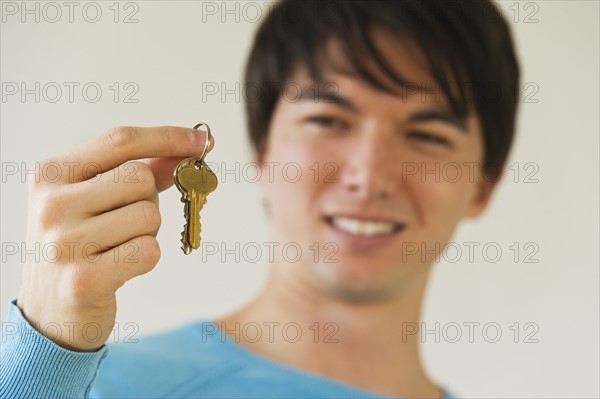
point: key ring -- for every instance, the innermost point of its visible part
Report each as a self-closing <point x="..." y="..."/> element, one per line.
<point x="208" y="138"/>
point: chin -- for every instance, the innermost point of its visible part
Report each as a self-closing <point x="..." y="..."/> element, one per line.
<point x="354" y="282"/>
<point x="366" y="277"/>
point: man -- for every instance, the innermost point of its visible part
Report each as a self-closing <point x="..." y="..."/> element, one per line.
<point x="390" y="93"/>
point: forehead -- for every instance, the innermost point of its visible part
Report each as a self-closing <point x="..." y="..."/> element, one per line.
<point x="405" y="88"/>
<point x="417" y="91"/>
<point x="401" y="69"/>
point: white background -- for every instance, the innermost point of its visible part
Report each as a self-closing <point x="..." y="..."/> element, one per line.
<point x="170" y="52"/>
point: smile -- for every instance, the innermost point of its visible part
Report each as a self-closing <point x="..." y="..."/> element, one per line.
<point x="363" y="227"/>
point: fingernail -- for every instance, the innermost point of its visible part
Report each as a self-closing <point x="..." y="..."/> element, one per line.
<point x="194" y="136"/>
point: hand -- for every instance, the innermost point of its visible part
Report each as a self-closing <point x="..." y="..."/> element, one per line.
<point x="96" y="215"/>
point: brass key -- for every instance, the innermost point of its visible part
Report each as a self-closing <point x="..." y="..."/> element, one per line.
<point x="195" y="180"/>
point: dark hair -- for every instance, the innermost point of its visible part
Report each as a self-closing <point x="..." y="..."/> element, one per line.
<point x="467" y="45"/>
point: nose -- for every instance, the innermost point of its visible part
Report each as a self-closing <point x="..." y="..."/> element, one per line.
<point x="369" y="172"/>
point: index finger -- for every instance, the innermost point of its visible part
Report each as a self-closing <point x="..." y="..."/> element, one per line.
<point x="128" y="143"/>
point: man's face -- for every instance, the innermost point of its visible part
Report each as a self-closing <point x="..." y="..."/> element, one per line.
<point x="384" y="180"/>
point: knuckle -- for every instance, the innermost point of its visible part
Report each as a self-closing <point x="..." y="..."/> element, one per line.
<point x="51" y="207"/>
<point x="151" y="250"/>
<point x="120" y="136"/>
<point x="39" y="176"/>
<point x="66" y="237"/>
<point x="142" y="175"/>
<point x="81" y="283"/>
<point x="151" y="213"/>
<point x="166" y="133"/>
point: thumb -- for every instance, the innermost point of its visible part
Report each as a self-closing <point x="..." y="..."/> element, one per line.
<point x="163" y="168"/>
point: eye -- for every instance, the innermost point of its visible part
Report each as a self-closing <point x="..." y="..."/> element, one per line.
<point x="429" y="138"/>
<point x="324" y="121"/>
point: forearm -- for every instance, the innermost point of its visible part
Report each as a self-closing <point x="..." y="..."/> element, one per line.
<point x="33" y="366"/>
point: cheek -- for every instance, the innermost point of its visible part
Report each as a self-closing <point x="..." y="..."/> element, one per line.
<point x="301" y="162"/>
<point x="292" y="177"/>
<point x="442" y="198"/>
<point x="290" y="167"/>
<point x="443" y="189"/>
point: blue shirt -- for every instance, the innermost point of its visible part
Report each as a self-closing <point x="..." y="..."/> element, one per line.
<point x="196" y="360"/>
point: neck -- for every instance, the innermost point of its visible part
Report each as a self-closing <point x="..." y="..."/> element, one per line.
<point x="368" y="345"/>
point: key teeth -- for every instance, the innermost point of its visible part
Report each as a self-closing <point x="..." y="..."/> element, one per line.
<point x="200" y="229"/>
<point x="185" y="245"/>
<point x="186" y="249"/>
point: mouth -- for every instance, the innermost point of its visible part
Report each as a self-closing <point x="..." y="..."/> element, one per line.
<point x="364" y="227"/>
<point x="363" y="233"/>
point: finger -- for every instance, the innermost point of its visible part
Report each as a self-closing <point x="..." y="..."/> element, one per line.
<point x="123" y="144"/>
<point x="130" y="259"/>
<point x="129" y="183"/>
<point x="111" y="229"/>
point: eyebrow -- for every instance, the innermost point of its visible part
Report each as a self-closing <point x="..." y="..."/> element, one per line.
<point x="429" y="115"/>
<point x="437" y="115"/>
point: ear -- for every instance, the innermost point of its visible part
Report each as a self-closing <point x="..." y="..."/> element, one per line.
<point x="483" y="194"/>
<point x="259" y="156"/>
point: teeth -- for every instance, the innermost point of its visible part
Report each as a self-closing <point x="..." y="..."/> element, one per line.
<point x="362" y="227"/>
